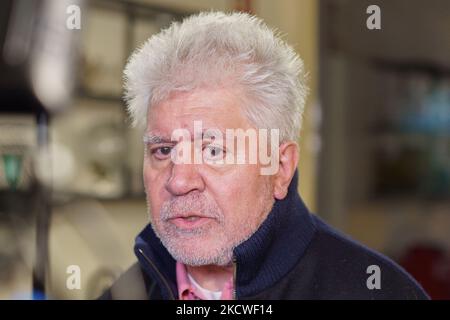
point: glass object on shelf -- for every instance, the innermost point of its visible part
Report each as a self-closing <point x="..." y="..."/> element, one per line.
<point x="413" y="155"/>
<point x="427" y="108"/>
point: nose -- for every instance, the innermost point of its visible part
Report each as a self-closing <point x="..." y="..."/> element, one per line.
<point x="184" y="178"/>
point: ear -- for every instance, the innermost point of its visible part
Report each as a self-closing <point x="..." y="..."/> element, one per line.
<point x="288" y="164"/>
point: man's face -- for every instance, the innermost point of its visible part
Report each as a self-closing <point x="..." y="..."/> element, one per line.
<point x="202" y="211"/>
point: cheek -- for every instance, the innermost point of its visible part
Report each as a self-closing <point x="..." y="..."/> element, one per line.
<point x="235" y="196"/>
<point x="154" y="186"/>
<point x="250" y="197"/>
<point x="151" y="176"/>
<point x="146" y="176"/>
<point x="153" y="179"/>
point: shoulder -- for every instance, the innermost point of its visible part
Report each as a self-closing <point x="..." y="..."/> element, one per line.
<point x="342" y="268"/>
<point x="133" y="284"/>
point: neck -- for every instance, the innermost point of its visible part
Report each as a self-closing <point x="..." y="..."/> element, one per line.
<point x="211" y="277"/>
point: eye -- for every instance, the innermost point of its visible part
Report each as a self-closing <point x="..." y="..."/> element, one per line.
<point x="213" y="153"/>
<point x="161" y="153"/>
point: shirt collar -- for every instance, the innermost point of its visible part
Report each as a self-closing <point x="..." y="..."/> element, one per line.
<point x="187" y="290"/>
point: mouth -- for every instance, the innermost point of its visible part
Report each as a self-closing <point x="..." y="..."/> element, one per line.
<point x="189" y="221"/>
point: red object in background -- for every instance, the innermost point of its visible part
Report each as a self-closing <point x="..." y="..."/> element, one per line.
<point x="430" y="266"/>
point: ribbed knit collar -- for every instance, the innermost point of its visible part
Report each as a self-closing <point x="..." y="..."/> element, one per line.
<point x="262" y="260"/>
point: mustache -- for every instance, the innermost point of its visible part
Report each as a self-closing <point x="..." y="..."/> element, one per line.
<point x="195" y="203"/>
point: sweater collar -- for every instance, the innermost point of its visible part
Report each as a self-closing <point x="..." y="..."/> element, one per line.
<point x="261" y="261"/>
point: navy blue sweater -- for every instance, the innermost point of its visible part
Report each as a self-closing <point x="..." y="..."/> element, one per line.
<point x="293" y="255"/>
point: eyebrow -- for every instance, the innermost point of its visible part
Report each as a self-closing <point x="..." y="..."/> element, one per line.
<point x="150" y="138"/>
<point x="154" y="139"/>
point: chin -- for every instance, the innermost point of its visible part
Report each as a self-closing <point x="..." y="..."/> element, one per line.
<point x="190" y="254"/>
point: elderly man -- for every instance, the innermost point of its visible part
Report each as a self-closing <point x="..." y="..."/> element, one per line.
<point x="221" y="98"/>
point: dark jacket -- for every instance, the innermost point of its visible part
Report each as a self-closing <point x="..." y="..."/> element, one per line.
<point x="293" y="255"/>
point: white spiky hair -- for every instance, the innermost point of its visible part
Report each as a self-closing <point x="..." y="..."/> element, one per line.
<point x="216" y="48"/>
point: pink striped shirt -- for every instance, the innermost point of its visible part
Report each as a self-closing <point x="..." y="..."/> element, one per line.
<point x="187" y="291"/>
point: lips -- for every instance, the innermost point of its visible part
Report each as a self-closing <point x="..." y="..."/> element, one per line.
<point x="189" y="220"/>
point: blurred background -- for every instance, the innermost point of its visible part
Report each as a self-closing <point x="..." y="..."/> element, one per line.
<point x="375" y="145"/>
